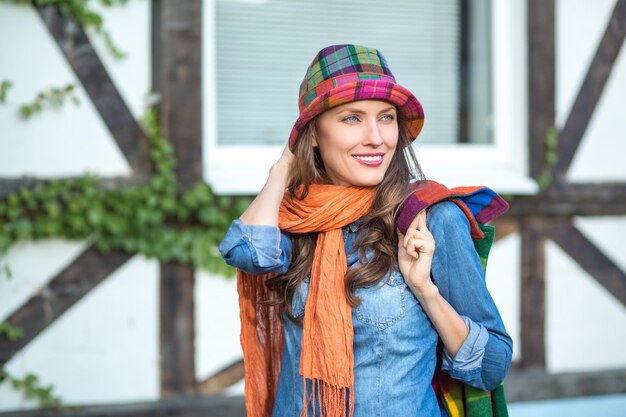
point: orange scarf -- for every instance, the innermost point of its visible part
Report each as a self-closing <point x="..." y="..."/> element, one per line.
<point x="327" y="358"/>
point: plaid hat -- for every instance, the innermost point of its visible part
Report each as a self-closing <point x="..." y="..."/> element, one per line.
<point x="340" y="74"/>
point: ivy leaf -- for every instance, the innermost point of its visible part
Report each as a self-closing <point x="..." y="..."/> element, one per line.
<point x="25" y="111"/>
<point x="22" y="228"/>
<point x="95" y="216"/>
<point x="5" y="86"/>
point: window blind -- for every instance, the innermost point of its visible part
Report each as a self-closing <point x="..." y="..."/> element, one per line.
<point x="264" y="47"/>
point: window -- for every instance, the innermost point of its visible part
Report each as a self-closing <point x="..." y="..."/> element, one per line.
<point x="256" y="52"/>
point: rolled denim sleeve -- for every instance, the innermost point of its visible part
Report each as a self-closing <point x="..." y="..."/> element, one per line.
<point x="467" y="361"/>
<point x="485" y="356"/>
<point x="256" y="249"/>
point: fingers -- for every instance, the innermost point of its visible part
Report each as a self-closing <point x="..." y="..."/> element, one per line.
<point x="417" y="242"/>
<point x="418" y="239"/>
<point x="419" y="222"/>
<point x="419" y="247"/>
<point x="415" y="233"/>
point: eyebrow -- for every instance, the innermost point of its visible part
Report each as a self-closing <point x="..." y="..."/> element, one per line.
<point x="358" y="111"/>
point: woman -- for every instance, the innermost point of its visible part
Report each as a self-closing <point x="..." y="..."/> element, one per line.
<point x="347" y="312"/>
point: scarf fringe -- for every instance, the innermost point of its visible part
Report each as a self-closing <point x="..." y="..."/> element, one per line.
<point x="326" y="400"/>
<point x="262" y="344"/>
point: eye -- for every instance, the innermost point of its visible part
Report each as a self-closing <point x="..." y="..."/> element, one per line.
<point x="388" y="117"/>
<point x="352" y="118"/>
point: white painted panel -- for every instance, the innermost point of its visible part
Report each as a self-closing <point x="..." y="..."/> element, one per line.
<point x="607" y="233"/>
<point x="32" y="265"/>
<point x="129" y="26"/>
<point x="580" y="25"/>
<point x="105" y="349"/>
<point x="585" y="324"/>
<point x="503" y="282"/>
<point x="601" y="155"/>
<point x="56" y="142"/>
<point x="217" y="325"/>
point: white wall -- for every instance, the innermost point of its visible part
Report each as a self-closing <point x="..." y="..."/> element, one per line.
<point x="580" y="27"/>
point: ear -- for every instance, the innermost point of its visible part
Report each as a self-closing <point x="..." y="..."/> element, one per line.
<point x="314" y="141"/>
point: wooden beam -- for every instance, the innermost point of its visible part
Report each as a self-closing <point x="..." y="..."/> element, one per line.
<point x="177" y="333"/>
<point x="81" y="56"/>
<point x="589" y="257"/>
<point x="520" y="386"/>
<point x="505" y="226"/>
<point x="536" y="386"/>
<point x="591" y="88"/>
<point x="541" y="83"/>
<point x="61" y="293"/>
<point x="533" y="293"/>
<point x="572" y="200"/>
<point x="177" y="76"/>
<point x="222" y="379"/>
<point x="181" y="406"/>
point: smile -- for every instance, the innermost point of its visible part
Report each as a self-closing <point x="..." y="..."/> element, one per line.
<point x="370" y="160"/>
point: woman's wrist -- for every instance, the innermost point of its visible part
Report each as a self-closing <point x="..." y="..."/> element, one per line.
<point x="425" y="292"/>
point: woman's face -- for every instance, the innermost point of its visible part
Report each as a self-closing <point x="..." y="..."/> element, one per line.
<point x="357" y="141"/>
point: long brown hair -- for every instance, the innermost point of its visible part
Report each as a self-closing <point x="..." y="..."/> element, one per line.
<point x="377" y="230"/>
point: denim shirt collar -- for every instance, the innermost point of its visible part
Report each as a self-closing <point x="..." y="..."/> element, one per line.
<point x="354" y="226"/>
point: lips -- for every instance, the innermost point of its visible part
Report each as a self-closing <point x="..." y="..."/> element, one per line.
<point x="370" y="160"/>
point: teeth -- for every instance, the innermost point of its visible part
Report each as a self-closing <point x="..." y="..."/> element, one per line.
<point x="369" y="158"/>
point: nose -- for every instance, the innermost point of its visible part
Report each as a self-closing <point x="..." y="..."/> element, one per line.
<point x="372" y="135"/>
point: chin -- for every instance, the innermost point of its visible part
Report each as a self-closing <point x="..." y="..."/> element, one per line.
<point x="368" y="182"/>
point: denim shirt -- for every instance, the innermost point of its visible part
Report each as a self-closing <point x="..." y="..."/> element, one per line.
<point x="394" y="340"/>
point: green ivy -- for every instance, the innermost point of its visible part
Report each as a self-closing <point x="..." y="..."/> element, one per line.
<point x="12" y="333"/>
<point x="6" y="270"/>
<point x="54" y="96"/>
<point x="32" y="389"/>
<point x="508" y="197"/>
<point x="5" y="86"/>
<point x="551" y="158"/>
<point x="29" y="385"/>
<point x="158" y="219"/>
<point x="80" y="12"/>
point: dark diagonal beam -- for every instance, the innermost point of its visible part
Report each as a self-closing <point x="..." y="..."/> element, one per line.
<point x="589" y="257"/>
<point x="81" y="56"/>
<point x="591" y="88"/>
<point x="222" y="379"/>
<point x="61" y="293"/>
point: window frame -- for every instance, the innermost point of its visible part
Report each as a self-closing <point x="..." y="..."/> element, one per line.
<point x="501" y="165"/>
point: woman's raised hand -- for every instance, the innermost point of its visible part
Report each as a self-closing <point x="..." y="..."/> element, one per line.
<point x="415" y="254"/>
<point x="284" y="162"/>
<point x="264" y="208"/>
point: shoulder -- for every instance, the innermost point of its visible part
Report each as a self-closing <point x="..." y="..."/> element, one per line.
<point x="445" y="212"/>
<point x="447" y="219"/>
